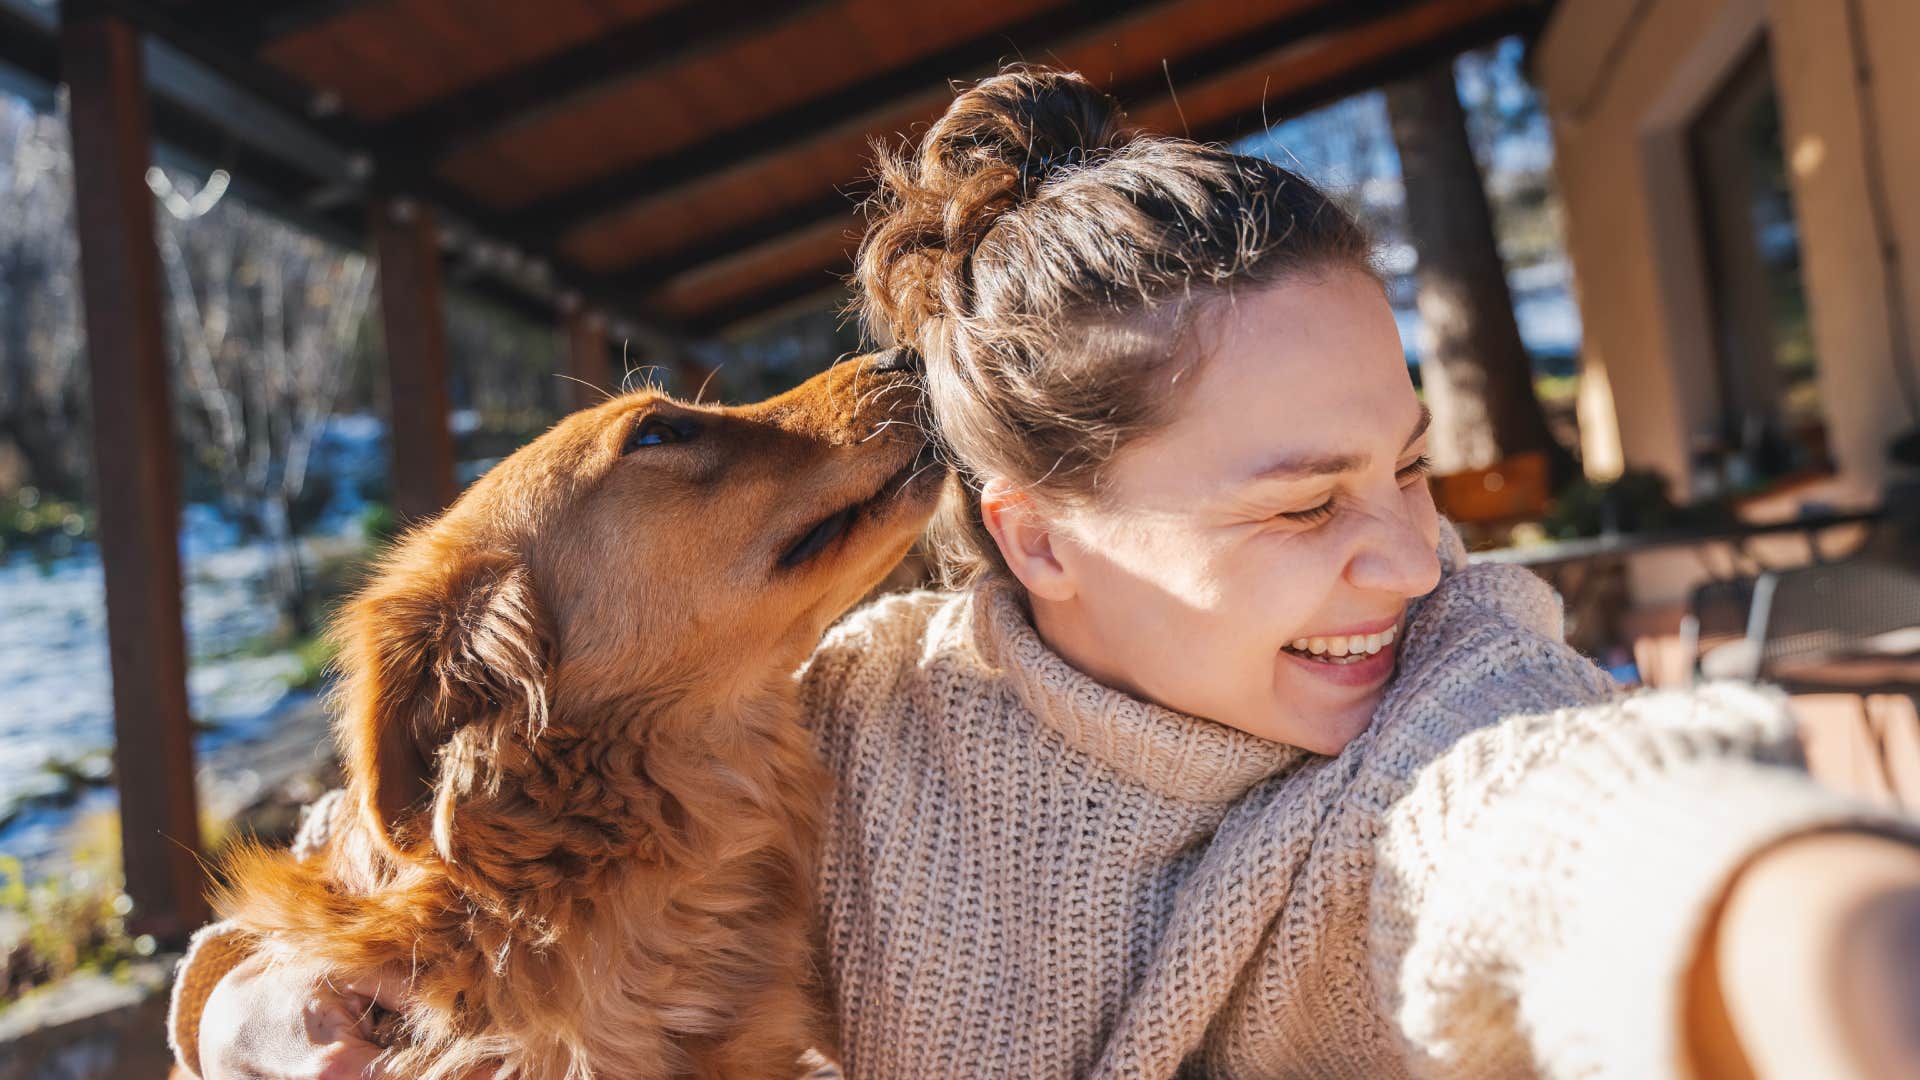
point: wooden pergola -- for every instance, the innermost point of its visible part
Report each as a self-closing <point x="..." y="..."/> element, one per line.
<point x="669" y="168"/>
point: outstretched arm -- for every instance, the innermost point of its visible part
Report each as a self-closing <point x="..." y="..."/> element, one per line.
<point x="1639" y="887"/>
<point x="1811" y="966"/>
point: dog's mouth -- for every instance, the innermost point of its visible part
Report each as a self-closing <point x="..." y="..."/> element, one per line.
<point x="831" y="528"/>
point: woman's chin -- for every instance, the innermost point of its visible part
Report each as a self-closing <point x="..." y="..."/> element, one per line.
<point x="1323" y="731"/>
<point x="1317" y="707"/>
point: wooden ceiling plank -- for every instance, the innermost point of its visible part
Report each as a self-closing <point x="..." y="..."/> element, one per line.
<point x="1522" y="17"/>
<point x="801" y="123"/>
<point x="415" y="142"/>
<point x="252" y="24"/>
<point x="765" y="302"/>
<point x="1231" y="53"/>
<point x="712" y="248"/>
<point x="229" y="61"/>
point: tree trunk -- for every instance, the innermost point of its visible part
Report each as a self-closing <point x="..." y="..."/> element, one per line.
<point x="1473" y="367"/>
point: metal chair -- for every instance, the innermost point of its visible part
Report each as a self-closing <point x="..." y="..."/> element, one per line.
<point x="1713" y="633"/>
<point x="1812" y="615"/>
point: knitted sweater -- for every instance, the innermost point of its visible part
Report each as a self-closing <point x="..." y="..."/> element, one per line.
<point x="1028" y="874"/>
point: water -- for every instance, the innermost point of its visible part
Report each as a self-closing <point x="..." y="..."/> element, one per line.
<point x="56" y="701"/>
<point x="55" y="682"/>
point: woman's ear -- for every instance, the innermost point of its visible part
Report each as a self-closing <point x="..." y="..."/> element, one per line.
<point x="439" y="645"/>
<point x="1026" y="539"/>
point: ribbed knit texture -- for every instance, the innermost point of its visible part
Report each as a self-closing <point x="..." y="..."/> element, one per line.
<point x="1029" y="875"/>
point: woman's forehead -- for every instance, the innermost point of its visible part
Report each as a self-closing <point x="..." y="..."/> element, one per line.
<point x="1314" y="365"/>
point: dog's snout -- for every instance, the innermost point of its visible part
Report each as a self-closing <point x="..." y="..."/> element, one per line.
<point x="898" y="361"/>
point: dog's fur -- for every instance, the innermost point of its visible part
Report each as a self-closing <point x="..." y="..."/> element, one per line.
<point x="580" y="805"/>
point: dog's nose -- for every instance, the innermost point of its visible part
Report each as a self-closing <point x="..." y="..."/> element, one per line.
<point x="898" y="361"/>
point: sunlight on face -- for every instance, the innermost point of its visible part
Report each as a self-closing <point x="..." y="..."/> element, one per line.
<point x="1286" y="504"/>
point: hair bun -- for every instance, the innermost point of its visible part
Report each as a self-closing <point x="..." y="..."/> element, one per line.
<point x="996" y="146"/>
<point x="1037" y="120"/>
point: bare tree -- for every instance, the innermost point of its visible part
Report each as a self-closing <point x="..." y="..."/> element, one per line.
<point x="266" y="320"/>
<point x="1475" y="370"/>
<point x="41" y="387"/>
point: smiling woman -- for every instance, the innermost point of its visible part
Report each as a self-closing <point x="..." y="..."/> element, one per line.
<point x="1221" y="761"/>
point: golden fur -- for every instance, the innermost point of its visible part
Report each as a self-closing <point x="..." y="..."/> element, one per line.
<point x="581" y="806"/>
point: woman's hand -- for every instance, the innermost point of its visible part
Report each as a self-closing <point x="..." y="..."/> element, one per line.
<point x="1813" y="966"/>
<point x="274" y="1022"/>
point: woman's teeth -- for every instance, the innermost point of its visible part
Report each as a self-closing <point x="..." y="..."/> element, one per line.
<point x="1344" y="650"/>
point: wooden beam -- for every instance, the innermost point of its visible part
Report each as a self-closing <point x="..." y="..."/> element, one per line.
<point x="258" y="24"/>
<point x="779" y="297"/>
<point x="786" y="129"/>
<point x="137" y="485"/>
<point x="837" y="206"/>
<point x="1521" y="18"/>
<point x="1195" y="66"/>
<point x="412" y="144"/>
<point x="589" y="363"/>
<point x="228" y="56"/>
<point x="413" y="313"/>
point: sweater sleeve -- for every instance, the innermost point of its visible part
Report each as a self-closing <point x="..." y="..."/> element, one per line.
<point x="1542" y="885"/>
<point x="219" y="947"/>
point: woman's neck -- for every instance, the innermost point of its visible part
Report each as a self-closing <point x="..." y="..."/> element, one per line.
<point x="1065" y="627"/>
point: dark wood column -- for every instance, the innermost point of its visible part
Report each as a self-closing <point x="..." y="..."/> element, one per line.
<point x="137" y="484"/>
<point x="414" y="318"/>
<point x="589" y="362"/>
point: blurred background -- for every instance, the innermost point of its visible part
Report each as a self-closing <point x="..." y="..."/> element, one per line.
<point x="279" y="276"/>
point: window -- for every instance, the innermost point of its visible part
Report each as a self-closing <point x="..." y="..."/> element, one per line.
<point x="1771" y="420"/>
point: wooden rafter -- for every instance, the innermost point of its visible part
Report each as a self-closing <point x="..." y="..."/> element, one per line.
<point x="1520" y="18"/>
<point x="253" y="23"/>
<point x="1233" y="52"/>
<point x="645" y="276"/>
<point x="412" y="144"/>
<point x="230" y="59"/>
<point x="801" y="123"/>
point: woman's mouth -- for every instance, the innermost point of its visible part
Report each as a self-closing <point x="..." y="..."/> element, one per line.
<point x="1354" y="662"/>
<point x="1346" y="649"/>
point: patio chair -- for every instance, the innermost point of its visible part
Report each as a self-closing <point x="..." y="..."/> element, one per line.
<point x="1714" y="634"/>
<point x="1852" y="625"/>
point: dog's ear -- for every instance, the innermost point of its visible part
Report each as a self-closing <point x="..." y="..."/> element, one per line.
<point x="440" y="649"/>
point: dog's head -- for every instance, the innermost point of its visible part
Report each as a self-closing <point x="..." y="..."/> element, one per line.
<point x="642" y="553"/>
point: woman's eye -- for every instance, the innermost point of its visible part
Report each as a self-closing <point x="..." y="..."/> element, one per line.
<point x="1417" y="470"/>
<point x="654" y="431"/>
<point x="1311" y="517"/>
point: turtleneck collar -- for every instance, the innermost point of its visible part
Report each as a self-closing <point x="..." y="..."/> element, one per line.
<point x="1170" y="753"/>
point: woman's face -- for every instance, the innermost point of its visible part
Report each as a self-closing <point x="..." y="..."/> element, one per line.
<point x="1247" y="553"/>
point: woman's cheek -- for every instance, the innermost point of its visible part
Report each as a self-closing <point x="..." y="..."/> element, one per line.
<point x="1287" y="586"/>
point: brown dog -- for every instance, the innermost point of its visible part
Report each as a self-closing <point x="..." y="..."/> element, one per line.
<point x="579" y="802"/>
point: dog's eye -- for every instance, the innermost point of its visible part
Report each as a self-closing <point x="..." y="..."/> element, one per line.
<point x="656" y="431"/>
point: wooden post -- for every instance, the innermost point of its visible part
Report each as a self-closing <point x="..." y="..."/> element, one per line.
<point x="589" y="364"/>
<point x="406" y="244"/>
<point x="137" y="486"/>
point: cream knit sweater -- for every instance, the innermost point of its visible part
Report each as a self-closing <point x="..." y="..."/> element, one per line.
<point x="1028" y="874"/>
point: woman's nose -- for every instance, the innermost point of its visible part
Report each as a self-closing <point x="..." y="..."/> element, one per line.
<point x="1398" y="555"/>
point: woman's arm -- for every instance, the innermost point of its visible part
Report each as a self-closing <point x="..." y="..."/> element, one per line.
<point x="1812" y="965"/>
<point x="1550" y="879"/>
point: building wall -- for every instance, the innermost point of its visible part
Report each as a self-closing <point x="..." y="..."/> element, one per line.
<point x="1622" y="81"/>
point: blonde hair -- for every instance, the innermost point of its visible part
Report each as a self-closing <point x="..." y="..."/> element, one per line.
<point x="1048" y="265"/>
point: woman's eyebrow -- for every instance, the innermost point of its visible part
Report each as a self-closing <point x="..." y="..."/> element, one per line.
<point x="1302" y="465"/>
<point x="1419" y="427"/>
